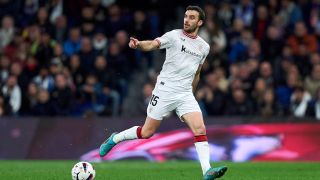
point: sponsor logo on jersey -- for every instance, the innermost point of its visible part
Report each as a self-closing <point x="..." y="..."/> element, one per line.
<point x="185" y="50"/>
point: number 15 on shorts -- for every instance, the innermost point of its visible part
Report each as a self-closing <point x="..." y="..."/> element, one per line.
<point x="154" y="100"/>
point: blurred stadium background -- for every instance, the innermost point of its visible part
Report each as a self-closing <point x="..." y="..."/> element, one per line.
<point x="67" y="75"/>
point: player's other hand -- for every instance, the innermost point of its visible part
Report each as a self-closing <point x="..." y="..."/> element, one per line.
<point x="133" y="43"/>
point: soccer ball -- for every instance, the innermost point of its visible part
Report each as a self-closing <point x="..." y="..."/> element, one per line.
<point x="83" y="171"/>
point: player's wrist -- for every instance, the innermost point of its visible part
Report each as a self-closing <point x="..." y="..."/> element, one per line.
<point x="137" y="44"/>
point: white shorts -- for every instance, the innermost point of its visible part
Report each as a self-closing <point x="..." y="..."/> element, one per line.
<point x="163" y="102"/>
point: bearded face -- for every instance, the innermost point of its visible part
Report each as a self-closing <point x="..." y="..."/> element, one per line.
<point x="191" y="21"/>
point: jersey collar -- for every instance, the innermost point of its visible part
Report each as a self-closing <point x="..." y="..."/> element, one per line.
<point x="189" y="36"/>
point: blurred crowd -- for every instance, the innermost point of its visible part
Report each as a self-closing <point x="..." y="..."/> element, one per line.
<point x="71" y="58"/>
<point x="61" y="58"/>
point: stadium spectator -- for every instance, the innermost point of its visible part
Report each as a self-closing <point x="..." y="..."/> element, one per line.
<point x="77" y="70"/>
<point x="254" y="50"/>
<point x="284" y="92"/>
<point x="260" y="22"/>
<point x="146" y="96"/>
<point x="100" y="43"/>
<point x="43" y="20"/>
<point x="29" y="11"/>
<point x="273" y="7"/>
<point x="122" y="39"/>
<point x="212" y="34"/>
<point x="266" y="72"/>
<point x="87" y="21"/>
<point x="118" y="62"/>
<point x="59" y="54"/>
<point x="4" y="69"/>
<point x="302" y="43"/>
<point x="29" y="99"/>
<point x="73" y="44"/>
<point x="234" y="32"/>
<point x="238" y="51"/>
<point x="245" y="11"/>
<point x="5" y="108"/>
<point x="268" y="106"/>
<point x="104" y="74"/>
<point x="313" y="109"/>
<point x="16" y="70"/>
<point x="140" y="26"/>
<point x="115" y="21"/>
<point x="245" y="77"/>
<point x="211" y="97"/>
<point x="43" y="107"/>
<point x="62" y="97"/>
<point x="225" y="14"/>
<point x="259" y="90"/>
<point x="44" y="79"/>
<point x="87" y="54"/>
<point x="222" y="80"/>
<point x="106" y="77"/>
<point x="60" y="30"/>
<point x="272" y="44"/>
<point x="44" y="48"/>
<point x="299" y="102"/>
<point x="7" y="31"/>
<point x="313" y="60"/>
<point x="312" y="82"/>
<point x="55" y="9"/>
<point x="99" y="12"/>
<point x="91" y="92"/>
<point x="239" y="104"/>
<point x="289" y="13"/>
<point x="30" y="69"/>
<point x="12" y="91"/>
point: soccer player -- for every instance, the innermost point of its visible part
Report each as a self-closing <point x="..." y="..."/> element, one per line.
<point x="185" y="54"/>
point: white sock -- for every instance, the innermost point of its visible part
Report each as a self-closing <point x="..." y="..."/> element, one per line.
<point x="204" y="155"/>
<point x="126" y="135"/>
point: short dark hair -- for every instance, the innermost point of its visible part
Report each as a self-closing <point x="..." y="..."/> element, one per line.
<point x="202" y="15"/>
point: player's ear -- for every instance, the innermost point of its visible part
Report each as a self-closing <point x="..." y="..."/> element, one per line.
<point x="200" y="22"/>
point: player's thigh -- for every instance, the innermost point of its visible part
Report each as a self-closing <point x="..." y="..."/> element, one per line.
<point x="187" y="104"/>
<point x="189" y="111"/>
<point x="195" y="122"/>
<point x="160" y="105"/>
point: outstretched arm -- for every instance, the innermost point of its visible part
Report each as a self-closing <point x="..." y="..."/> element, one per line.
<point x="148" y="45"/>
<point x="196" y="79"/>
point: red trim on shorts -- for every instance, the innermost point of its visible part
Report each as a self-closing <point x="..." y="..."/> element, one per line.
<point x="159" y="43"/>
<point x="139" y="132"/>
<point x="188" y="35"/>
<point x="200" y="138"/>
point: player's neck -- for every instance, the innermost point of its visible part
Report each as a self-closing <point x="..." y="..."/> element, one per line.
<point x="192" y="35"/>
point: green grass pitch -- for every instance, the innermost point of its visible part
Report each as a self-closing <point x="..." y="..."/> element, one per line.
<point x="172" y="170"/>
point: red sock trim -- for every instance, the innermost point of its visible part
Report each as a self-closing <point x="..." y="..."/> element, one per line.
<point x="139" y="132"/>
<point x="200" y="138"/>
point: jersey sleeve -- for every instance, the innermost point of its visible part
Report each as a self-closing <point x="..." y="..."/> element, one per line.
<point x="165" y="41"/>
<point x="205" y="54"/>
